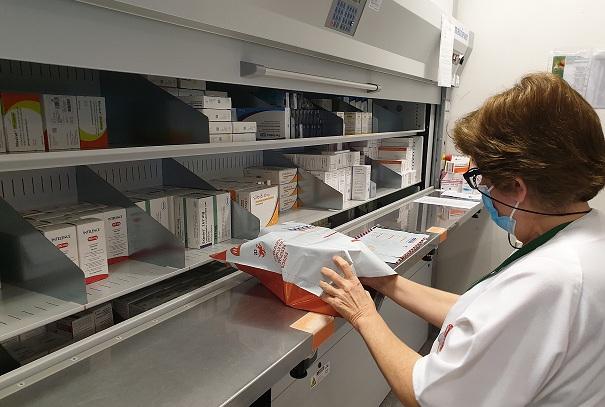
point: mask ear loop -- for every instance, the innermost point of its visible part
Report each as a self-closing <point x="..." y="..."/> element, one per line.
<point x="511" y="217"/>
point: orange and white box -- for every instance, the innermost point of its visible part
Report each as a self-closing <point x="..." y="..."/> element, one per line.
<point x="395" y="153"/>
<point x="22" y="117"/>
<point x="63" y="236"/>
<point x="399" y="166"/>
<point x="288" y="202"/>
<point x="262" y="202"/>
<point x="92" y="250"/>
<point x="92" y="122"/>
<point x="60" y="122"/>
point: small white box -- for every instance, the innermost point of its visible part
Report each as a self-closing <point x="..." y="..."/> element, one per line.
<point x="220" y="128"/>
<point x="222" y="212"/>
<point x="408" y="178"/>
<point x="220" y="138"/>
<point x="342" y="116"/>
<point x="199" y="213"/>
<point x="63" y="236"/>
<point x="327" y="177"/>
<point x="102" y="316"/>
<point x="116" y="232"/>
<point x="191" y="84"/>
<point x="287" y="203"/>
<point x="399" y="166"/>
<point x="92" y="122"/>
<point x="395" y="153"/>
<point x="352" y="122"/>
<point x="366" y="122"/>
<point x="355" y="158"/>
<point x="286" y="190"/>
<point x="342" y="182"/>
<point x="317" y="162"/>
<point x="164" y="81"/>
<point x="156" y="205"/>
<point x="271" y="124"/>
<point x="60" y="122"/>
<point x="361" y="182"/>
<point x="216" y="93"/>
<point x="23" y="129"/>
<point x="244" y="127"/>
<point x="349" y="183"/>
<point x="208" y="102"/>
<point x="277" y="175"/>
<point x="217" y="115"/>
<point x="262" y="202"/>
<point x="92" y="250"/>
<point x="241" y="137"/>
<point x="373" y="189"/>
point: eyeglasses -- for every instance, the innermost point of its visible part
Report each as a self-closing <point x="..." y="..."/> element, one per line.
<point x="473" y="177"/>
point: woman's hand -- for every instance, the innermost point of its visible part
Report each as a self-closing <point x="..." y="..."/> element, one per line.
<point x="383" y="285"/>
<point x="347" y="295"/>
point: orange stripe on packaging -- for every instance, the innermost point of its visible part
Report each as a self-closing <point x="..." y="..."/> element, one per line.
<point x="318" y="325"/>
<point x="442" y="232"/>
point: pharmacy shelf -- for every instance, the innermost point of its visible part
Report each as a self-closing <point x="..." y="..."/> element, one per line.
<point x="23" y="310"/>
<point x="30" y="161"/>
<point x="311" y="215"/>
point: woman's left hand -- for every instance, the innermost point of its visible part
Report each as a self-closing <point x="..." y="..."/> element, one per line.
<point x="347" y="295"/>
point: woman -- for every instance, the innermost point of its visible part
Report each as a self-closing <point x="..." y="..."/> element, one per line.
<point x="532" y="331"/>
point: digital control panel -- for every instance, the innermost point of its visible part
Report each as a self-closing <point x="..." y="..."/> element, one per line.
<point x="344" y="15"/>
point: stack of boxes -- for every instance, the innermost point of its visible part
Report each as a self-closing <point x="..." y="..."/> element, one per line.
<point x="32" y="122"/>
<point x="285" y="178"/>
<point x="198" y="218"/>
<point x="356" y="122"/>
<point x="215" y="105"/>
<point x="91" y="235"/>
<point x="399" y="154"/>
<point x="367" y="148"/>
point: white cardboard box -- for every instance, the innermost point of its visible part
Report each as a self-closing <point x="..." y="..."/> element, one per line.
<point x="328" y="177"/>
<point x="361" y="182"/>
<point x="271" y="124"/>
<point x="164" y="81"/>
<point x="262" y="202"/>
<point x="180" y="93"/>
<point x="349" y="183"/>
<point x="220" y="138"/>
<point x="216" y="93"/>
<point x="116" y="232"/>
<point x="23" y="129"/>
<point x="217" y="115"/>
<point x="287" y="203"/>
<point x="220" y="128"/>
<point x="63" y="236"/>
<point x="289" y="189"/>
<point x="92" y="250"/>
<point x="317" y="162"/>
<point x="399" y="166"/>
<point x="352" y="122"/>
<point x="240" y="137"/>
<point x="244" y="127"/>
<point x="222" y="215"/>
<point x="103" y="316"/>
<point x="395" y="153"/>
<point x="366" y="122"/>
<point x="92" y="122"/>
<point x="191" y="84"/>
<point x="208" y="102"/>
<point x="199" y="213"/>
<point x="277" y="175"/>
<point x="60" y="122"/>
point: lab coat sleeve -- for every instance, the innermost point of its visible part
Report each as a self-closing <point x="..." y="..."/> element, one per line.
<point x="507" y="344"/>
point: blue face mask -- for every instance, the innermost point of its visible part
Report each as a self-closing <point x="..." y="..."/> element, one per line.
<point x="507" y="223"/>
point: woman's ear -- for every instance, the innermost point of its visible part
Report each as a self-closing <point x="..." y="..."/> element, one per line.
<point x="519" y="190"/>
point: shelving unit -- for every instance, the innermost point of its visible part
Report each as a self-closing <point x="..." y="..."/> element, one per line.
<point x="29" y="161"/>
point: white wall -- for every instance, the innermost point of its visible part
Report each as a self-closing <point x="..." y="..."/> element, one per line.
<point x="512" y="38"/>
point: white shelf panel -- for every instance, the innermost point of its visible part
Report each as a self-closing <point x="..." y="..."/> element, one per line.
<point x="310" y="215"/>
<point x="30" y="161"/>
<point x="22" y="310"/>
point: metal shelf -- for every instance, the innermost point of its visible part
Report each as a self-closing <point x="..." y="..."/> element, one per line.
<point x="30" y="161"/>
<point x="311" y="215"/>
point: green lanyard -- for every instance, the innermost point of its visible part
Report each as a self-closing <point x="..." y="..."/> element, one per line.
<point x="525" y="249"/>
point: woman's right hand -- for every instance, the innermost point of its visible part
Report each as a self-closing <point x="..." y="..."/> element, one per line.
<point x="382" y="284"/>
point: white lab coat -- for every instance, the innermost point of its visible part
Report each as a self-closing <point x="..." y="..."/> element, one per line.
<point x="532" y="335"/>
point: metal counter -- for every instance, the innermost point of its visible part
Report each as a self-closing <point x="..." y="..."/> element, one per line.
<point x="227" y="350"/>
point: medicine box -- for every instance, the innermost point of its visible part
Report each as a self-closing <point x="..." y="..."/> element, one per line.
<point x="164" y="81"/>
<point x="244" y="127"/>
<point x="22" y="117"/>
<point x="395" y="153"/>
<point x="277" y="175"/>
<point x="156" y="205"/>
<point x="63" y="236"/>
<point x="317" y="162"/>
<point x="220" y="138"/>
<point x="352" y="122"/>
<point x="366" y="123"/>
<point x="207" y="102"/>
<point x="271" y="124"/>
<point x="288" y="202"/>
<point x="60" y="122"/>
<point x="217" y="115"/>
<point x="327" y="177"/>
<point x="216" y="93"/>
<point x="116" y="231"/>
<point x="92" y="251"/>
<point x="79" y="326"/>
<point x="349" y="183"/>
<point x="92" y="122"/>
<point x="361" y="182"/>
<point x="262" y="202"/>
<point x="222" y="215"/>
<point x="199" y="220"/>
<point x="180" y="93"/>
<point x="102" y="316"/>
<point x="191" y="84"/>
<point x="289" y="189"/>
<point x="240" y="137"/>
<point x="220" y="128"/>
<point x="399" y="166"/>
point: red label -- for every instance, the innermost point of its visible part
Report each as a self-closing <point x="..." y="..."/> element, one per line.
<point x="92" y="238"/>
<point x="116" y="224"/>
<point x="235" y="250"/>
<point x="443" y="336"/>
<point x="62" y="245"/>
<point x="260" y="250"/>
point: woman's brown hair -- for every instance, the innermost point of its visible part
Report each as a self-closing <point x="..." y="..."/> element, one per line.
<point x="542" y="131"/>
